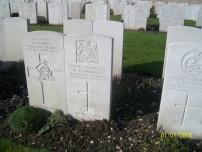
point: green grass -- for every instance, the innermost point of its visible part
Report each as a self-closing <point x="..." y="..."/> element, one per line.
<point x="8" y="146"/>
<point x="144" y="53"/>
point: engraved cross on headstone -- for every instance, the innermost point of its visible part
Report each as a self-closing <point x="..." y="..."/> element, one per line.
<point x="185" y="108"/>
<point x="87" y="93"/>
<point x="45" y="75"/>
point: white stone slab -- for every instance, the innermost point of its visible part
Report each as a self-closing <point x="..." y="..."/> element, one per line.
<point x="62" y="12"/>
<point x="140" y="17"/>
<point x="181" y="34"/>
<point x="146" y="5"/>
<point x="53" y="13"/>
<point x="118" y="7"/>
<point x="165" y="19"/>
<point x="42" y="12"/>
<point x="44" y="65"/>
<point x="77" y="26"/>
<point x="13" y="37"/>
<point x="75" y="10"/>
<point x="89" y="65"/>
<point x="181" y="108"/>
<point x="188" y="12"/>
<point x="115" y="30"/>
<point x="196" y="8"/>
<point x="4" y="9"/>
<point x="129" y="16"/>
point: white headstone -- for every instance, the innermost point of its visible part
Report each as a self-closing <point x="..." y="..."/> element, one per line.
<point x="42" y="12"/>
<point x="4" y="9"/>
<point x="77" y="26"/>
<point x="165" y="19"/>
<point x="28" y="10"/>
<point x="199" y="19"/>
<point x="196" y="8"/>
<point x="140" y="17"/>
<point x="101" y="12"/>
<point x="97" y="12"/>
<point x="129" y="16"/>
<point x="178" y="16"/>
<point x="89" y="65"/>
<point x="181" y="34"/>
<point x="147" y="6"/>
<point x="90" y="12"/>
<point x="14" y="6"/>
<point x="181" y="107"/>
<point x="75" y="10"/>
<point x="62" y="12"/>
<point x="53" y="13"/>
<point x="158" y="6"/>
<point x="2" y="42"/>
<point x="44" y="65"/>
<point x="14" y="28"/>
<point x="188" y="12"/>
<point x="115" y="30"/>
<point x="118" y="7"/>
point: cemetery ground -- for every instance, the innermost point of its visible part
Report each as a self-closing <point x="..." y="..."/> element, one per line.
<point x="134" y="109"/>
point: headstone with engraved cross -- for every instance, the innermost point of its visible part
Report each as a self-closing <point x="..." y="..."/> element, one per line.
<point x="181" y="107"/>
<point x="140" y="17"/>
<point x="44" y="65"/>
<point x="129" y="16"/>
<point x="90" y="12"/>
<point x="53" y="13"/>
<point x="4" y="9"/>
<point x="165" y="19"/>
<point x="88" y="60"/>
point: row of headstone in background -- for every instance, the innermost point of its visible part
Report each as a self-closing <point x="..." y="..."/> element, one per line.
<point x="191" y="11"/>
<point x="4" y="9"/>
<point x="135" y="17"/>
<point x="97" y="12"/>
<point x="181" y="107"/>
<point x="11" y="30"/>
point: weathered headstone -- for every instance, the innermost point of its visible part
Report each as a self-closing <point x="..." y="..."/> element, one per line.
<point x="165" y="19"/>
<point x="14" y="6"/>
<point x="4" y="9"/>
<point x="115" y="30"/>
<point x="77" y="26"/>
<point x="158" y="6"/>
<point x="181" y="34"/>
<point x="101" y="12"/>
<point x="88" y="60"/>
<point x="188" y="12"/>
<point x="129" y="16"/>
<point x="181" y="108"/>
<point x="146" y="5"/>
<point x="75" y="10"/>
<point x="13" y="37"/>
<point x="196" y="8"/>
<point x="118" y="7"/>
<point x="44" y="65"/>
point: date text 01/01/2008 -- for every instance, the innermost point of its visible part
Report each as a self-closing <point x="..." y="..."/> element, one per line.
<point x="176" y="135"/>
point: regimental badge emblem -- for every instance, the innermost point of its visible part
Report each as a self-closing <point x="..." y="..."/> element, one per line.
<point x="192" y="62"/>
<point x="87" y="51"/>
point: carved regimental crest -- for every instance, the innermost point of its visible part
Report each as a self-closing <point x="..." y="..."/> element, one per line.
<point x="87" y="51"/>
<point x="44" y="72"/>
<point x="192" y="62"/>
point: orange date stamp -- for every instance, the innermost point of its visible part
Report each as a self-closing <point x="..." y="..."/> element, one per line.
<point x="176" y="135"/>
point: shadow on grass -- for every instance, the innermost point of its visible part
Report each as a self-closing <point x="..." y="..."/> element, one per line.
<point x="150" y="69"/>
